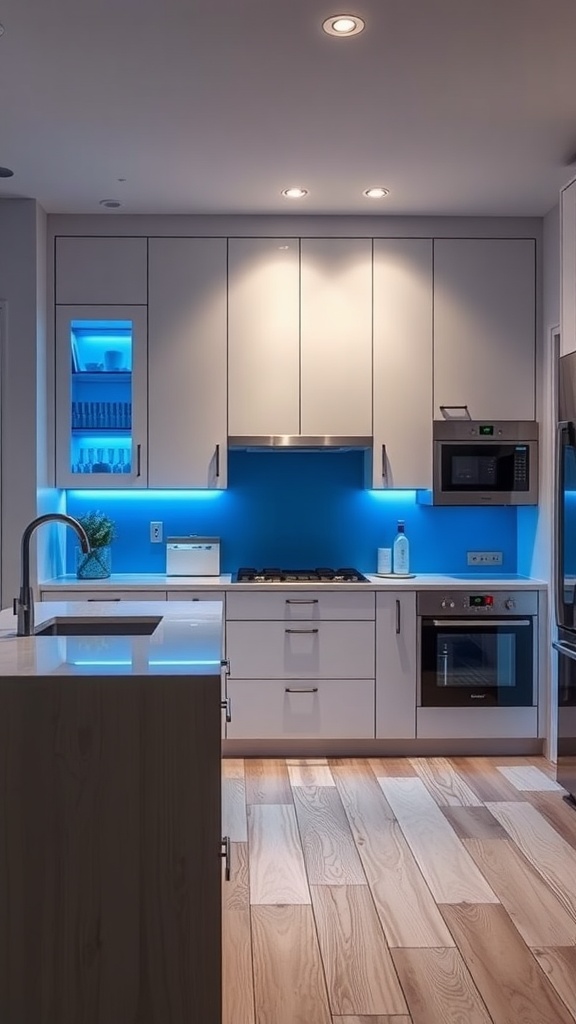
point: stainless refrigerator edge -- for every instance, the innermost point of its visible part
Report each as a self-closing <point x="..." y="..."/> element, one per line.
<point x="565" y="573"/>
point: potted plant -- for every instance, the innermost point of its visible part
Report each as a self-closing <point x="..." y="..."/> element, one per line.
<point x="100" y="530"/>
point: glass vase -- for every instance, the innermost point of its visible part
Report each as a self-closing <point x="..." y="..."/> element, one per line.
<point x="96" y="565"/>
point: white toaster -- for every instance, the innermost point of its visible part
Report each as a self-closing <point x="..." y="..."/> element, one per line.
<point x="193" y="556"/>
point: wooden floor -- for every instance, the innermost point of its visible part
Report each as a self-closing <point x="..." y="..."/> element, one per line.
<point x="399" y="891"/>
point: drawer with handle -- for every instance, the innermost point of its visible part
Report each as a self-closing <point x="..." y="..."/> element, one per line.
<point x="288" y="605"/>
<point x="305" y="709"/>
<point x="278" y="650"/>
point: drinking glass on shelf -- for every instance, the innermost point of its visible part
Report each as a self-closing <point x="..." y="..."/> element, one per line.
<point x="90" y="466"/>
<point x="127" y="465"/>
<point x="119" y="468"/>
<point x="80" y="466"/>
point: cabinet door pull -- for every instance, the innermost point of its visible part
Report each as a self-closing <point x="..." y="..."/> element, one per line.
<point x="298" y="600"/>
<point x="300" y="689"/>
<point x="398" y="621"/>
<point x="225" y="844"/>
<point x="217" y="460"/>
<point x="104" y="599"/>
<point x="384" y="465"/>
<point x="462" y="412"/>
<point x="301" y="631"/>
<point x="138" y="459"/>
<point x="226" y="706"/>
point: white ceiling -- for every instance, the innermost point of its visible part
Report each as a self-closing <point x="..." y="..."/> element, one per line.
<point x="214" y="106"/>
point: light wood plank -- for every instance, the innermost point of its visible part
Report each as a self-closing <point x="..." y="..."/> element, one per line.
<point x="529" y="778"/>
<point x="483" y="779"/>
<point x="438" y="987"/>
<point x="288" y="978"/>
<point x="232" y="768"/>
<point x="235" y="891"/>
<point x="329" y="852"/>
<point x="544" y="765"/>
<point x="447" y="867"/>
<point x="310" y="775"/>
<point x="392" y="767"/>
<point x="277" y="872"/>
<point x="237" y="983"/>
<point x="369" y="1019"/>
<point x="557" y="813"/>
<point x="543" y="846"/>
<point x="559" y="966"/>
<point x="267" y="782"/>
<point x="360" y="974"/>
<point x="307" y="760"/>
<point x="234" y="822"/>
<point x="444" y="783"/>
<point x="506" y="974"/>
<point x="537" y="914"/>
<point x="474" y="823"/>
<point x="404" y="903"/>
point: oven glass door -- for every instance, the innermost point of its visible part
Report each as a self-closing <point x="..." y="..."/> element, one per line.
<point x="468" y="662"/>
<point x="484" y="467"/>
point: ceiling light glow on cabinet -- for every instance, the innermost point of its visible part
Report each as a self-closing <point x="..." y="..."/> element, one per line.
<point x="376" y="193"/>
<point x="294" y="193"/>
<point x="343" y="25"/>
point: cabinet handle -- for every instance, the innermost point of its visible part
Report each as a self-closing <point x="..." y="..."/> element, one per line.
<point x="300" y="630"/>
<point x="103" y="599"/>
<point x="300" y="689"/>
<point x="446" y="411"/>
<point x="138" y="459"/>
<point x="226" y="706"/>
<point x="398" y="613"/>
<point x="225" y="844"/>
<point x="384" y="465"/>
<point x="297" y="600"/>
<point x="217" y="460"/>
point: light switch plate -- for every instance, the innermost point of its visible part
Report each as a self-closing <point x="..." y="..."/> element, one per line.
<point x="484" y="557"/>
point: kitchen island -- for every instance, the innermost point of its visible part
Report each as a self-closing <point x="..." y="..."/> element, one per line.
<point x="110" y="861"/>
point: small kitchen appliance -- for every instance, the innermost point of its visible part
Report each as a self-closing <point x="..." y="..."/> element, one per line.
<point x="485" y="462"/>
<point x="193" y="556"/>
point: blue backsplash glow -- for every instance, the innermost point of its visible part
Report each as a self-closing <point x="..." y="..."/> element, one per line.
<point x="298" y="509"/>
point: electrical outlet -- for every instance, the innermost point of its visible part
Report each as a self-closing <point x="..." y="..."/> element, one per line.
<point x="484" y="557"/>
<point x="156" y="533"/>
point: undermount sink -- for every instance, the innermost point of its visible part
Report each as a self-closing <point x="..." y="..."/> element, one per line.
<point x="100" y="627"/>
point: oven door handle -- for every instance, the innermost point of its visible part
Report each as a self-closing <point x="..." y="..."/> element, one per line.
<point x="564" y="649"/>
<point x="479" y="623"/>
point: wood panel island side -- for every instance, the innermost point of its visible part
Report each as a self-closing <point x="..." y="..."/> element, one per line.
<point x="110" y="859"/>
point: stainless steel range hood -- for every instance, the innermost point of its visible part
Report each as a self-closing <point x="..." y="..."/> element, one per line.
<point x="298" y="443"/>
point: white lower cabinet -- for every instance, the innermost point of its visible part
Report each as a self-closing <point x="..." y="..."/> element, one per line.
<point x="396" y="665"/>
<point x="108" y="594"/>
<point x="195" y="595"/>
<point x="301" y="677"/>
<point x="301" y="709"/>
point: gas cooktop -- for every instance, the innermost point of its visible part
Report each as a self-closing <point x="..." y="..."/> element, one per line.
<point x="319" y="575"/>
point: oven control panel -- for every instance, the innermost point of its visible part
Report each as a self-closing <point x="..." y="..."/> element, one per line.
<point x="477" y="602"/>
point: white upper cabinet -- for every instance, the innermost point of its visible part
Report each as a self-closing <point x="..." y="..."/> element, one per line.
<point x="402" y="452"/>
<point x="336" y="336"/>
<point x="568" y="268"/>
<point x="263" y="336"/>
<point x="101" y="270"/>
<point x="484" y="327"/>
<point x="187" y="362"/>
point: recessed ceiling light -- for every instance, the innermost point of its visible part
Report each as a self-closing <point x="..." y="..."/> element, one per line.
<point x="5" y="172"/>
<point x="294" y="193"/>
<point x="343" y="25"/>
<point x="110" y="204"/>
<point x="376" y="193"/>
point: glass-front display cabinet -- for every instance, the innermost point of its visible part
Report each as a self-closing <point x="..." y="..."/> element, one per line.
<point x="101" y="396"/>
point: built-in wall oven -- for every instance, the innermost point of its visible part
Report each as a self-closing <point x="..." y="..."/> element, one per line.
<point x="477" y="649"/>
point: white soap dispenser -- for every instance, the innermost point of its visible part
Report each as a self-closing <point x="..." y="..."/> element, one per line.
<point x="401" y="552"/>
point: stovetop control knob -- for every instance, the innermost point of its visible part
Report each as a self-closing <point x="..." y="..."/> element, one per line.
<point x="445" y="603"/>
<point x="509" y="603"/>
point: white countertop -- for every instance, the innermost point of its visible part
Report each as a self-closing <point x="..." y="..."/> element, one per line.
<point x="159" y="581"/>
<point x="187" y="641"/>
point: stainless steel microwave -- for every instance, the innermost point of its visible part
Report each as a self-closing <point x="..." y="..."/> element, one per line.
<point x="485" y="463"/>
